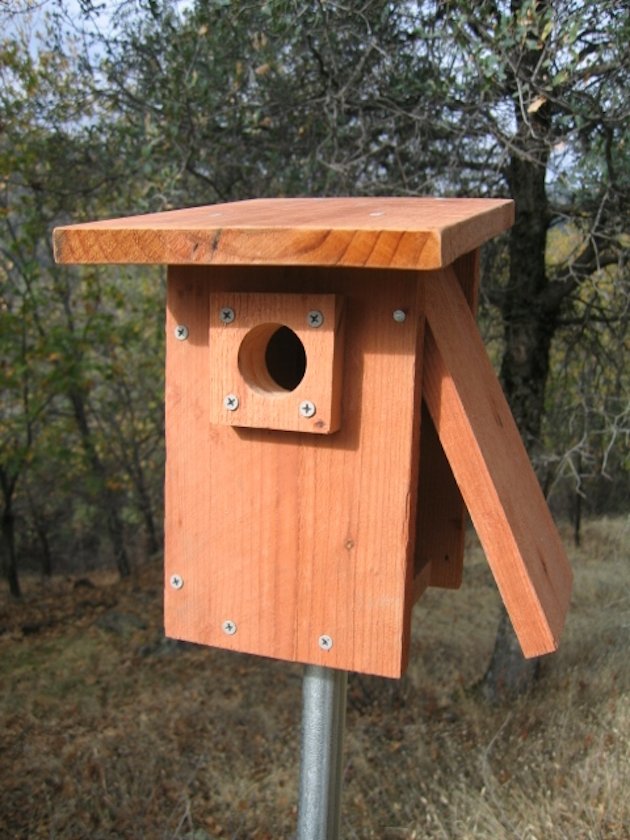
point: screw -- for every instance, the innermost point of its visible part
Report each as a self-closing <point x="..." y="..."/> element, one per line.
<point x="325" y="642"/>
<point x="177" y="581"/>
<point x="229" y="627"/>
<point x="315" y="318"/>
<point x="181" y="332"/>
<point x="399" y="315"/>
<point x="307" y="409"/>
<point x="231" y="402"/>
<point x="227" y="315"/>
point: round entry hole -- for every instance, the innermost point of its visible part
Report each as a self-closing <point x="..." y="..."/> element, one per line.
<point x="272" y="359"/>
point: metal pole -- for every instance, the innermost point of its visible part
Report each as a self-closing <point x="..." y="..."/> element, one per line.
<point x="323" y="723"/>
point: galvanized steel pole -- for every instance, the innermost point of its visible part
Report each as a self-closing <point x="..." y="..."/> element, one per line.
<point x="323" y="723"/>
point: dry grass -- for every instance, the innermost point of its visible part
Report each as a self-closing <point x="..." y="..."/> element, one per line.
<point x="109" y="732"/>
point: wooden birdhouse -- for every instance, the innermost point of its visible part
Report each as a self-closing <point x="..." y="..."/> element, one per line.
<point x="330" y="414"/>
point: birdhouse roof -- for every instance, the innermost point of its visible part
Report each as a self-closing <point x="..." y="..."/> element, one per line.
<point x="386" y="232"/>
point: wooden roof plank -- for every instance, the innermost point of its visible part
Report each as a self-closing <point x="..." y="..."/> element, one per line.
<point x="386" y="232"/>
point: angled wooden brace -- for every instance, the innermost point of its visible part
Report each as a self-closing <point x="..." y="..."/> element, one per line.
<point x="492" y="469"/>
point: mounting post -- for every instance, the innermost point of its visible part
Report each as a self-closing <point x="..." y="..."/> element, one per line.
<point x="323" y="723"/>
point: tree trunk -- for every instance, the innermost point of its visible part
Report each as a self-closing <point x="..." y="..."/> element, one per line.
<point x="108" y="497"/>
<point x="152" y="541"/>
<point x="509" y="674"/>
<point x="144" y="501"/>
<point x="577" y="510"/>
<point x="530" y="319"/>
<point x="9" y="554"/>
<point x="47" y="564"/>
<point x="39" y="525"/>
<point x="529" y="325"/>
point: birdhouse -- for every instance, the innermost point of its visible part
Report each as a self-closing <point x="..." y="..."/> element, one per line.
<point x="330" y="414"/>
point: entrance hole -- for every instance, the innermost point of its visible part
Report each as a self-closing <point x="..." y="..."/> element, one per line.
<point x="272" y="359"/>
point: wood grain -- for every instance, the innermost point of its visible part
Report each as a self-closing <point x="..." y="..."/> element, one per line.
<point x="492" y="469"/>
<point x="403" y="233"/>
<point x="441" y="509"/>
<point x="293" y="535"/>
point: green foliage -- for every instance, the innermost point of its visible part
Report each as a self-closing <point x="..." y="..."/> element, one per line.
<point x="80" y="418"/>
<point x="137" y="106"/>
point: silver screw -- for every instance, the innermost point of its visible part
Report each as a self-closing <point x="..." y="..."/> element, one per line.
<point x="177" y="581"/>
<point x="307" y="409"/>
<point x="227" y="315"/>
<point x="181" y="332"/>
<point x="229" y="627"/>
<point x="325" y="642"/>
<point x="399" y="315"/>
<point x="315" y="318"/>
<point x="231" y="402"/>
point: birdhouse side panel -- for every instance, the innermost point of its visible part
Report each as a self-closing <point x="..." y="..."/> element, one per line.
<point x="441" y="509"/>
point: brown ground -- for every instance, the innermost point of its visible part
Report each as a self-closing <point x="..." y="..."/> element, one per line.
<point x="109" y="731"/>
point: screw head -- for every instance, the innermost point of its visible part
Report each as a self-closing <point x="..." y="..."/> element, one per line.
<point x="315" y="318"/>
<point x="399" y="315"/>
<point x="231" y="402"/>
<point x="325" y="642"/>
<point x="227" y="315"/>
<point x="308" y="408"/>
<point x="181" y="332"/>
<point x="229" y="627"/>
<point x="176" y="581"/>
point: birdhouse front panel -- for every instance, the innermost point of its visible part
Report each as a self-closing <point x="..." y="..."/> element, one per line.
<point x="281" y="541"/>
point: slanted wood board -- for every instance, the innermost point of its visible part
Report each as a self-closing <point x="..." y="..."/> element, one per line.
<point x="492" y="469"/>
<point x="292" y="535"/>
<point x="403" y="233"/>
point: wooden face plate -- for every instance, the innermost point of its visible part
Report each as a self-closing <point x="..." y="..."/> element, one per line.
<point x="289" y="536"/>
<point x="243" y="389"/>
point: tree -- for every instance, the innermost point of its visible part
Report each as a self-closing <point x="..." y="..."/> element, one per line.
<point x="60" y="330"/>
<point x="24" y="405"/>
<point x="546" y="75"/>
